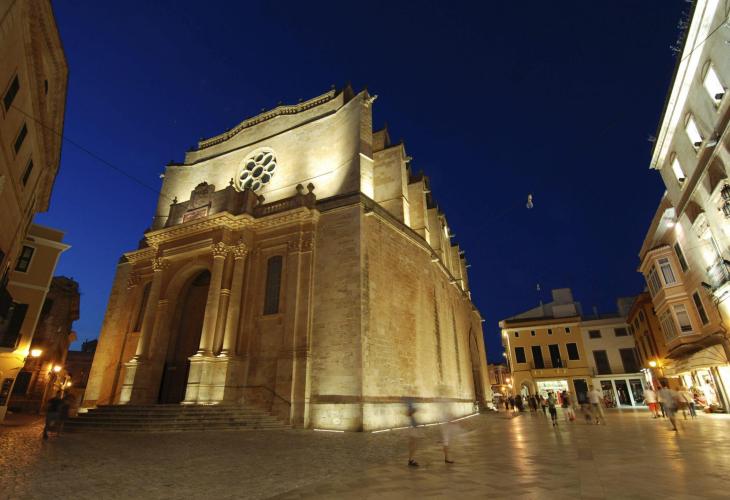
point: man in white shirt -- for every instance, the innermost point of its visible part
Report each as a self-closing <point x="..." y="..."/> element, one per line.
<point x="651" y="401"/>
<point x="595" y="396"/>
<point x="668" y="398"/>
<point x="688" y="402"/>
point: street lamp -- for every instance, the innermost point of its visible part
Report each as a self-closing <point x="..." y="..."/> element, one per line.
<point x="57" y="368"/>
<point x="652" y="363"/>
<point x="36" y="353"/>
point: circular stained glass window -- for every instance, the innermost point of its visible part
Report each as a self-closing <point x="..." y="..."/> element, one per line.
<point x="256" y="170"/>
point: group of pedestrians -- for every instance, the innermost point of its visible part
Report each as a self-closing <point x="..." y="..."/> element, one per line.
<point x="668" y="401"/>
<point x="415" y="432"/>
<point x="593" y="410"/>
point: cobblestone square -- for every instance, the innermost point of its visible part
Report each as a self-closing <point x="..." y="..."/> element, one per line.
<point x="633" y="456"/>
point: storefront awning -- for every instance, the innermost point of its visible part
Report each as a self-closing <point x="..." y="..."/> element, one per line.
<point x="704" y="358"/>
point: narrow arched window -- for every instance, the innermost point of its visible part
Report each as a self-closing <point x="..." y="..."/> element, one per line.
<point x="273" y="285"/>
<point x="142" y="307"/>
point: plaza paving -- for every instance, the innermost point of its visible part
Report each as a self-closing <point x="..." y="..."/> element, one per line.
<point x="633" y="456"/>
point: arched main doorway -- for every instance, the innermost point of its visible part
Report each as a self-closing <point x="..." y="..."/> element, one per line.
<point x="187" y="325"/>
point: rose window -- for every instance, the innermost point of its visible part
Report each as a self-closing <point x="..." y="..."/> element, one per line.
<point x="256" y="170"/>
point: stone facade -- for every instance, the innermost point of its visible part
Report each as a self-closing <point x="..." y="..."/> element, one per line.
<point x="28" y="283"/>
<point x="296" y="263"/>
<point x="38" y="381"/>
<point x="555" y="347"/>
<point x="33" y="81"/>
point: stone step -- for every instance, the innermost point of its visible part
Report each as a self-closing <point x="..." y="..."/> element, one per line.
<point x="173" y="418"/>
<point x="91" y="423"/>
<point x="179" y="418"/>
<point x="169" y="414"/>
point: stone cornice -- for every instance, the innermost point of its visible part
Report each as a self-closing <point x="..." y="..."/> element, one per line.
<point x="230" y="222"/>
<point x="278" y="111"/>
<point x="140" y="255"/>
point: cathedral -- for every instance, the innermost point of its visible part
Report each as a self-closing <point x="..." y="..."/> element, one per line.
<point x="296" y="263"/>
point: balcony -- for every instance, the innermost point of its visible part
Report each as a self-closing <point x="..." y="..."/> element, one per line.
<point x="561" y="368"/>
<point x="718" y="275"/>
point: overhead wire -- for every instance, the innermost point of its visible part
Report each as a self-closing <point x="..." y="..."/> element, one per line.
<point x="93" y="155"/>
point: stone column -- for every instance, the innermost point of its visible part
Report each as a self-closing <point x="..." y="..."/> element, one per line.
<point x="137" y="386"/>
<point x="148" y="321"/>
<point x="133" y="280"/>
<point x="234" y="304"/>
<point x="220" y="250"/>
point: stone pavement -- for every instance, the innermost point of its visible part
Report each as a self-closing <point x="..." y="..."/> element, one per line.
<point x="633" y="456"/>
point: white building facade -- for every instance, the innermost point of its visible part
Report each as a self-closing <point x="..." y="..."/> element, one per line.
<point x="685" y="257"/>
<point x="611" y="353"/>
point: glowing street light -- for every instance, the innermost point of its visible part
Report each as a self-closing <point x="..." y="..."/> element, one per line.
<point x="57" y="368"/>
<point x="652" y="363"/>
<point x="36" y="353"/>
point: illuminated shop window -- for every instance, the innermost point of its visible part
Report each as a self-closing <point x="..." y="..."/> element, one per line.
<point x="256" y="170"/>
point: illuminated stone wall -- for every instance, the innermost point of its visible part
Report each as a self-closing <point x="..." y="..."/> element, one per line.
<point x="370" y="310"/>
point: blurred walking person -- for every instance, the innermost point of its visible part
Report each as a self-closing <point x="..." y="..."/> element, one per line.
<point x="447" y="430"/>
<point x="688" y="401"/>
<point x="53" y="414"/>
<point x="651" y="401"/>
<point x="551" y="401"/>
<point x="568" y="406"/>
<point x="669" y="399"/>
<point x="412" y="432"/>
<point x="595" y="396"/>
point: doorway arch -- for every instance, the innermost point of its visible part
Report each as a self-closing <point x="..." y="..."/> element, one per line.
<point x="184" y="339"/>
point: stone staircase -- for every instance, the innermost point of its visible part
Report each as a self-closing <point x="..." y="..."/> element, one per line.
<point x="172" y="418"/>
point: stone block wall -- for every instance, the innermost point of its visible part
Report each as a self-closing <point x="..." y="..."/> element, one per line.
<point x="336" y="339"/>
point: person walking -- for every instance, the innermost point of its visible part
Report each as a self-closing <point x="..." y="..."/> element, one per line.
<point x="544" y="405"/>
<point x="689" y="401"/>
<point x="551" y="401"/>
<point x="568" y="406"/>
<point x="668" y="399"/>
<point x="412" y="432"/>
<point x="651" y="401"/>
<point x="595" y="396"/>
<point x="519" y="402"/>
<point x="53" y="414"/>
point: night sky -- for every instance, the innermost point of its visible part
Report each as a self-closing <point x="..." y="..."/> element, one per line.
<point x="494" y="100"/>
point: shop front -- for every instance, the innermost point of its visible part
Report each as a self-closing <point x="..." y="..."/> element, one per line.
<point x="706" y="373"/>
<point x="622" y="390"/>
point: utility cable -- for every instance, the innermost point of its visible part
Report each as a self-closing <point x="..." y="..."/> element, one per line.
<point x="92" y="154"/>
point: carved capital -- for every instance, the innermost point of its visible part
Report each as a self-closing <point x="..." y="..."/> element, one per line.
<point x="133" y="280"/>
<point x="307" y="242"/>
<point x="239" y="251"/>
<point x="220" y="249"/>
<point x="160" y="264"/>
<point x="303" y="242"/>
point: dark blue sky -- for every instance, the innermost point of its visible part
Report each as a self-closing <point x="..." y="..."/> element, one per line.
<point x="493" y="99"/>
